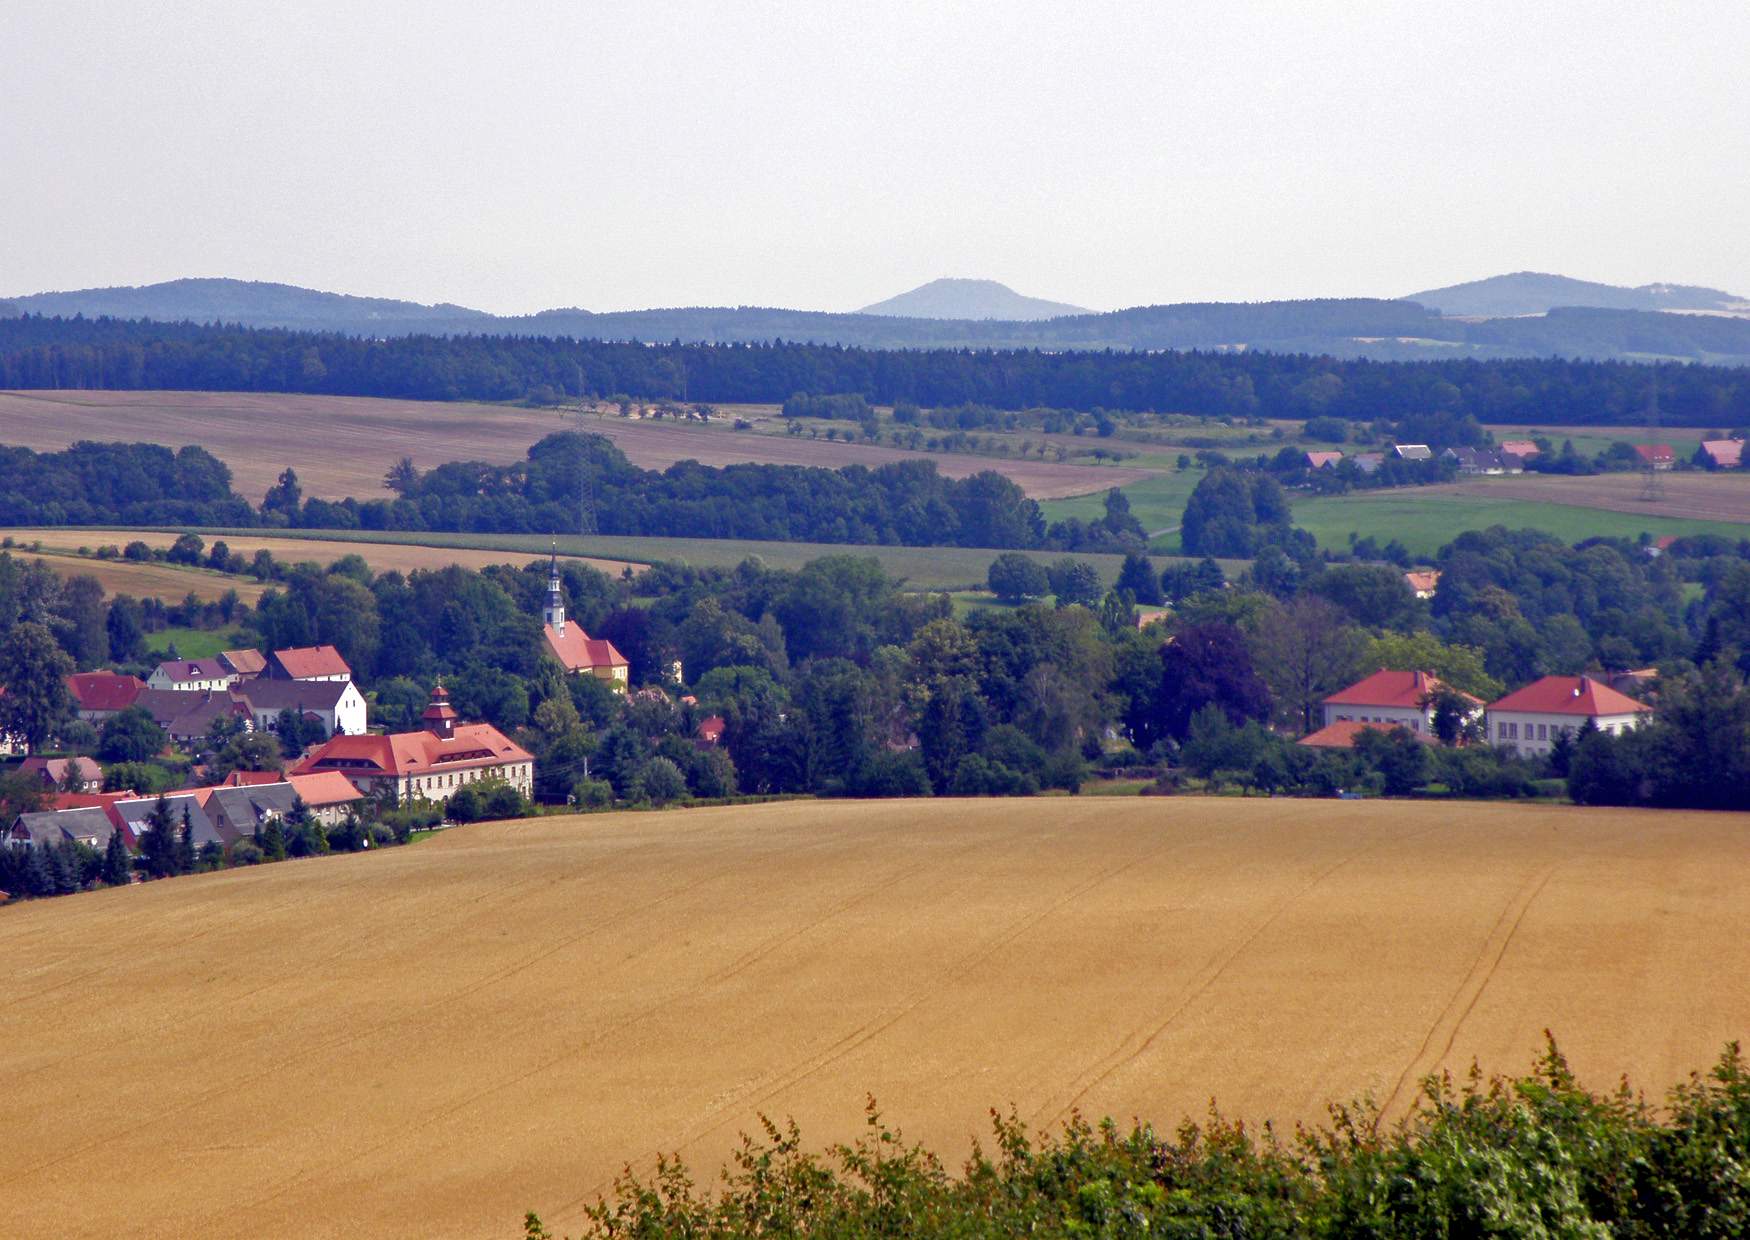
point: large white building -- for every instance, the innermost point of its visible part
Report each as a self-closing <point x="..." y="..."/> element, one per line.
<point x="1531" y="718"/>
<point x="1395" y="699"/>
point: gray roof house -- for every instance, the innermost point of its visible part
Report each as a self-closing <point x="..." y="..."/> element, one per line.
<point x="90" y="826"/>
<point x="135" y="814"/>
<point x="240" y="812"/>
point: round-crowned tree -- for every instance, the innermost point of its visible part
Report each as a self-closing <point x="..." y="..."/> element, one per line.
<point x="1014" y="578"/>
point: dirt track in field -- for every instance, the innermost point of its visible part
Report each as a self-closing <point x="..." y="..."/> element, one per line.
<point x="382" y="557"/>
<point x="431" y="1040"/>
<point x="1723" y="496"/>
<point x="343" y="445"/>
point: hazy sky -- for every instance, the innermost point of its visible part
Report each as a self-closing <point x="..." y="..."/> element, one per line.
<point x="823" y="155"/>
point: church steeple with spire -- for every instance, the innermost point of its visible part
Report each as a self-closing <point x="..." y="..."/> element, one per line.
<point x="555" y="613"/>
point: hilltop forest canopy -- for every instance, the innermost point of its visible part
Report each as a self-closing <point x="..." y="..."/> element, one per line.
<point x="53" y="353"/>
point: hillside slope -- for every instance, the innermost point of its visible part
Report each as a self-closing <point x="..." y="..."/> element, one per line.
<point x="251" y="302"/>
<point x="430" y="1040"/>
<point x="969" y="299"/>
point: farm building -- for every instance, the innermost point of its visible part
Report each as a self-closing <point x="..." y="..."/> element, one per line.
<point x="1368" y="462"/>
<point x="1323" y="460"/>
<point x="1532" y="718"/>
<point x="1658" y="456"/>
<point x="577" y="652"/>
<point x="1394" y="699"/>
<point x="1485" y="461"/>
<point x="246" y="663"/>
<point x="1720" y="454"/>
<point x="1413" y="452"/>
<point x="429" y="764"/>
<point x="1524" y="449"/>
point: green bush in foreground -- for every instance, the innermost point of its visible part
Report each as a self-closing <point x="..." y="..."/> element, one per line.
<point x="1533" y="1157"/>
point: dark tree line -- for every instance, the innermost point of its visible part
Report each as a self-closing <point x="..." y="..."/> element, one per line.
<point x="38" y="352"/>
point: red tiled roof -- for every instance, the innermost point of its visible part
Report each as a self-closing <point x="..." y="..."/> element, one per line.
<point x="414" y="753"/>
<point x="1726" y="453"/>
<point x="104" y="690"/>
<point x="324" y="788"/>
<point x="89" y="800"/>
<point x="1318" y="460"/>
<point x="1423" y="580"/>
<point x="1520" y="447"/>
<point x="1569" y="695"/>
<point x="577" y="651"/>
<point x="711" y="728"/>
<point x="244" y="662"/>
<point x="305" y="662"/>
<point x="1342" y="734"/>
<point x="1407" y="690"/>
<point x="247" y="779"/>
<point x="1654" y="452"/>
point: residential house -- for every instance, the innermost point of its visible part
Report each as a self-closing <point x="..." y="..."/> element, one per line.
<point x="1485" y="461"/>
<point x="190" y="675"/>
<point x="1152" y="615"/>
<point x="1322" y="460"/>
<point x="430" y="763"/>
<point x="190" y="716"/>
<point x="710" y="730"/>
<point x="577" y="652"/>
<point x="1656" y="456"/>
<point x="1720" y="454"/>
<point x="1393" y="699"/>
<point x="90" y="825"/>
<point x="1423" y="582"/>
<point x="1531" y="719"/>
<point x="136" y="813"/>
<point x="336" y="704"/>
<point x="240" y="813"/>
<point x="98" y="696"/>
<point x="72" y="774"/>
<point x="1368" y="462"/>
<point x="246" y="663"/>
<point x="308" y="663"/>
<point x="1342" y="734"/>
<point x="1413" y="452"/>
<point x="329" y="795"/>
<point x="1524" y="449"/>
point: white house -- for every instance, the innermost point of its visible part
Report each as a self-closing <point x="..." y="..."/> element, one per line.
<point x="190" y="675"/>
<point x="1531" y="719"/>
<point x="338" y="704"/>
<point x="1395" y="699"/>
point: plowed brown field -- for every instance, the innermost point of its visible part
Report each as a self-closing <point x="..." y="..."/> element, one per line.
<point x="430" y="1040"/>
<point x="343" y="445"/>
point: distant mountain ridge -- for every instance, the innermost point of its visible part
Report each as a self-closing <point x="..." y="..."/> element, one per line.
<point x="974" y="300"/>
<point x="1377" y="328"/>
<point x="255" y="303"/>
<point x="1536" y="292"/>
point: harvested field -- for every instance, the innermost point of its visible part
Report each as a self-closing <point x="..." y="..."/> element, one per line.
<point x="430" y="1040"/>
<point x="1685" y="496"/>
<point x="343" y="445"/>
<point x="381" y="556"/>
<point x="143" y="580"/>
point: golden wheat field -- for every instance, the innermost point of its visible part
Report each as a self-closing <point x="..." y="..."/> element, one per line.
<point x="428" y="1041"/>
<point x="149" y="579"/>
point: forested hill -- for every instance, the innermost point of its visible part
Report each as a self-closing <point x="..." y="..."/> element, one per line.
<point x="36" y="352"/>
<point x="1376" y="328"/>
<point x="1536" y="292"/>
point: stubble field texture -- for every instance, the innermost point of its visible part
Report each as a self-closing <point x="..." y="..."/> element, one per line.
<point x="429" y="1041"/>
<point x="343" y="445"/>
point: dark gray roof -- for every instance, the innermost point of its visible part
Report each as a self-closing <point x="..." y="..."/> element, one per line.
<point x="186" y="713"/>
<point x="300" y="695"/>
<point x="55" y="826"/>
<point x="247" y="808"/>
<point x="135" y="814"/>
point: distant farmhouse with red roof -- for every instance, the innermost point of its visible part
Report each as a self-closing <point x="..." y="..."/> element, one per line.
<point x="1393" y="699"/>
<point x="99" y="695"/>
<point x="1342" y="734"/>
<point x="1524" y="449"/>
<point x="577" y="652"/>
<point x="1321" y="460"/>
<point x="307" y="663"/>
<point x="1658" y="456"/>
<point x="1532" y="718"/>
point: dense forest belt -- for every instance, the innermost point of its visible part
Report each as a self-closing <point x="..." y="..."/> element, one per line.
<point x="343" y="445"/>
<point x="38" y="352"/>
<point x="430" y="1040"/>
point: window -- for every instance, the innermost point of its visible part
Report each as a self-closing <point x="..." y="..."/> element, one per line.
<point x="1543" y="731"/>
<point x="1513" y="731"/>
